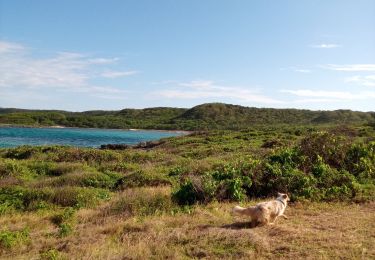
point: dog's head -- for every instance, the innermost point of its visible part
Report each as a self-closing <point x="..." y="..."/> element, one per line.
<point x="283" y="196"/>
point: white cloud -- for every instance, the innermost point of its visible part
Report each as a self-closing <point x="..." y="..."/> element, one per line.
<point x="331" y="95"/>
<point x="102" y="60"/>
<point x="303" y="70"/>
<point x="10" y="47"/>
<point x="368" y="81"/>
<point x="117" y="74"/>
<point x="315" y="100"/>
<point x="325" y="46"/>
<point x="203" y="89"/>
<point x="64" y="71"/>
<point x="350" y="67"/>
<point x="297" y="69"/>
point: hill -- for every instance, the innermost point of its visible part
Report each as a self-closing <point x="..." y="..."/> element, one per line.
<point x="201" y="117"/>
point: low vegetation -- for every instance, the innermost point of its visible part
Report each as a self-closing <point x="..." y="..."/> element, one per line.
<point x="203" y="117"/>
<point x="174" y="199"/>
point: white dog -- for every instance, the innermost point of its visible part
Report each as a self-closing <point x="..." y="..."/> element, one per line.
<point x="265" y="212"/>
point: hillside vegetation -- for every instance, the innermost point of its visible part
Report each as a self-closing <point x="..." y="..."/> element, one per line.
<point x="174" y="200"/>
<point x="202" y="117"/>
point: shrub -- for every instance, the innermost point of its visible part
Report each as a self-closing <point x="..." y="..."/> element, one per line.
<point x="329" y="147"/>
<point x="141" y="179"/>
<point x="233" y="180"/>
<point x="12" y="198"/>
<point x="78" y="197"/>
<point x="65" y="229"/>
<point x="196" y="189"/>
<point x="15" y="169"/>
<point x="277" y="177"/>
<point x="360" y="161"/>
<point x="101" y="180"/>
<point x="84" y="179"/>
<point x="64" y="168"/>
<point x="9" y="239"/>
<point x="50" y="254"/>
<point x="65" y="216"/>
<point x="20" y="153"/>
<point x="41" y="167"/>
<point x="226" y="182"/>
<point x="334" y="184"/>
<point x="143" y="202"/>
<point x="89" y="155"/>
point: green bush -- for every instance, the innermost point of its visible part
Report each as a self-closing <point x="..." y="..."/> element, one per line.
<point x="83" y="179"/>
<point x="360" y="161"/>
<point x="101" y="180"/>
<point x="66" y="215"/>
<point x="50" y="254"/>
<point x="17" y="169"/>
<point x="12" y="198"/>
<point x="78" y="197"/>
<point x="10" y="239"/>
<point x="225" y="182"/>
<point x="65" y="229"/>
<point x="233" y="180"/>
<point x="331" y="148"/>
<point x="20" y="153"/>
<point x="19" y="198"/>
<point x="143" y="202"/>
<point x="141" y="179"/>
<point x="186" y="194"/>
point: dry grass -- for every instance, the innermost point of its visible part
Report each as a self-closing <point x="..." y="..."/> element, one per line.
<point x="313" y="231"/>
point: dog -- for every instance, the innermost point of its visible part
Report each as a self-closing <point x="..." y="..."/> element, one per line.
<point x="265" y="213"/>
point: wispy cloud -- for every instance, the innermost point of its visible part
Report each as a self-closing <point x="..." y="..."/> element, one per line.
<point x="350" y="67"/>
<point x="303" y="70"/>
<point x="325" y="46"/>
<point x="297" y="69"/>
<point x="102" y="60"/>
<point x="368" y="81"/>
<point x="205" y="89"/>
<point x="118" y="74"/>
<point x="10" y="47"/>
<point x="64" y="71"/>
<point x="331" y="95"/>
<point x="315" y="100"/>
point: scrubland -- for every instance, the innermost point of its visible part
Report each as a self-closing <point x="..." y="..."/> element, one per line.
<point x="174" y="200"/>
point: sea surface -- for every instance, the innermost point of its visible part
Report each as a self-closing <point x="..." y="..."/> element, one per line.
<point x="82" y="137"/>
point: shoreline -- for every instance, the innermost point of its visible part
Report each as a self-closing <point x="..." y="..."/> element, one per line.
<point x="185" y="132"/>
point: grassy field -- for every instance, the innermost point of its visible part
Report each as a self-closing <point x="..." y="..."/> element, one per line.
<point x="313" y="231"/>
<point x="173" y="198"/>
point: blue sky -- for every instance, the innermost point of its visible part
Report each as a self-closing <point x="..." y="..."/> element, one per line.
<point x="85" y="55"/>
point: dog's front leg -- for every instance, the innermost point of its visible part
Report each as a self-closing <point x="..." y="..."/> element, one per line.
<point x="284" y="216"/>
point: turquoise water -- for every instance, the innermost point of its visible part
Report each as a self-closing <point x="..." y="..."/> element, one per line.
<point x="16" y="136"/>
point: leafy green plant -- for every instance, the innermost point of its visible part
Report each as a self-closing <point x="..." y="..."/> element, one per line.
<point x="143" y="202"/>
<point x="78" y="197"/>
<point x="50" y="254"/>
<point x="66" y="215"/>
<point x="10" y="239"/>
<point x="65" y="229"/>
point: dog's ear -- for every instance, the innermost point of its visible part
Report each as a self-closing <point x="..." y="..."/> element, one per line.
<point x="284" y="196"/>
<point x="279" y="194"/>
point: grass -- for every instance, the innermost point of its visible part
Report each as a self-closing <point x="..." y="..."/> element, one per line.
<point x="84" y="203"/>
<point x="313" y="230"/>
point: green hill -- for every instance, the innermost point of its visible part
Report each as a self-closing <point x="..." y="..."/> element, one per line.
<point x="201" y="117"/>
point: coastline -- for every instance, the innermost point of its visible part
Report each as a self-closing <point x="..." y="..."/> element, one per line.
<point x="184" y="132"/>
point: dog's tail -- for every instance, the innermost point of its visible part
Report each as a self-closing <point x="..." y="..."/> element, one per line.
<point x="239" y="210"/>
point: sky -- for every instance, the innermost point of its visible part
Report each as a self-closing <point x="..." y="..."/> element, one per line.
<point x="82" y="55"/>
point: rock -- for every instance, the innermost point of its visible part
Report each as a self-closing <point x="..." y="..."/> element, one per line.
<point x="114" y="146"/>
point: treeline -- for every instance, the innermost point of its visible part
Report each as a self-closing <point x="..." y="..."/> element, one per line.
<point x="202" y="117"/>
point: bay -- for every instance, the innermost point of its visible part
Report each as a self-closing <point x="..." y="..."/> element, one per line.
<point x="80" y="137"/>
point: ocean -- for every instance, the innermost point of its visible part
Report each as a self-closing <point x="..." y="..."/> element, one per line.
<point x="80" y="137"/>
